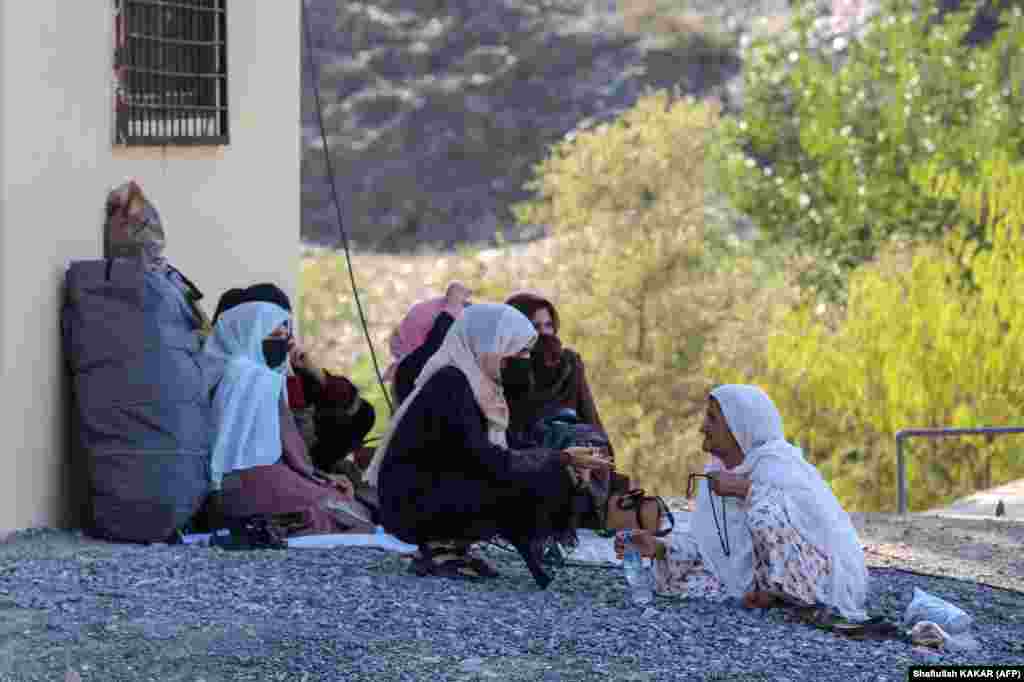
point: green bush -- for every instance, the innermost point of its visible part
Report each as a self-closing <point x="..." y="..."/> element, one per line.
<point x="914" y="349"/>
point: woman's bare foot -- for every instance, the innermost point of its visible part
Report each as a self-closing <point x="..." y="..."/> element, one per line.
<point x="761" y="600"/>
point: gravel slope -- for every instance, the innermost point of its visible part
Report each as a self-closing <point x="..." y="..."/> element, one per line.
<point x="111" y="612"/>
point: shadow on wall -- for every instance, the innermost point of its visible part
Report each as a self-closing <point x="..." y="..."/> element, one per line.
<point x="75" y="508"/>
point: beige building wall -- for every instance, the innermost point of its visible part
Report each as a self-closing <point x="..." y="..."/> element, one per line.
<point x="231" y="214"/>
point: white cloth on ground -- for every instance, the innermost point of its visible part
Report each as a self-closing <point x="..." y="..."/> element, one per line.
<point x="379" y="540"/>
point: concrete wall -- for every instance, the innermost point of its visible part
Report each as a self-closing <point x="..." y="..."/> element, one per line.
<point x="231" y="214"/>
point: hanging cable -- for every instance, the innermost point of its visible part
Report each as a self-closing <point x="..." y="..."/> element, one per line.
<point x="314" y="75"/>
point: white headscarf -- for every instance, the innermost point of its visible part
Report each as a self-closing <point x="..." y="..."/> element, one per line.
<point x="810" y="504"/>
<point x="476" y="344"/>
<point x="246" y="409"/>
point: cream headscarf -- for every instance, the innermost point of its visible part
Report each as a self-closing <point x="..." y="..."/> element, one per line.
<point x="810" y="504"/>
<point x="476" y="344"/>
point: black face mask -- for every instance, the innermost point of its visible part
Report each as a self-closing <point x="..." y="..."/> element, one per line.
<point x="517" y="376"/>
<point x="275" y="350"/>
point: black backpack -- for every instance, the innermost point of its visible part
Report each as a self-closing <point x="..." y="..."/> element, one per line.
<point x="564" y="429"/>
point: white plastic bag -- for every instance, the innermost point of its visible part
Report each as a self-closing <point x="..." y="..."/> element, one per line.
<point x="964" y="642"/>
<point x="924" y="606"/>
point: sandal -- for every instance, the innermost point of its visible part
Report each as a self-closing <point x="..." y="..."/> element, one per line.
<point x="877" y="628"/>
<point x="476" y="563"/>
<point x="762" y="600"/>
<point x="555" y="554"/>
<point x="484" y="569"/>
<point x="446" y="565"/>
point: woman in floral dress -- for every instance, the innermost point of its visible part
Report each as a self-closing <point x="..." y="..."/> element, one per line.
<point x="773" y="532"/>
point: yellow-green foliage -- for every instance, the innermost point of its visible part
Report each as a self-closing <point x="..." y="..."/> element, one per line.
<point x="637" y="296"/>
<point x="914" y="348"/>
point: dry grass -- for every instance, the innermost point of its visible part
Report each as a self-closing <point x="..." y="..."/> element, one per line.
<point x="643" y="16"/>
<point x="389" y="285"/>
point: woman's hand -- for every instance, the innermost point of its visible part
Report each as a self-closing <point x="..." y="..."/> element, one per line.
<point x="342" y="483"/>
<point x="588" y="459"/>
<point x="644" y="541"/>
<point x="726" y="484"/>
<point x="339" y="482"/>
<point x="301" y="359"/>
<point x="456" y="297"/>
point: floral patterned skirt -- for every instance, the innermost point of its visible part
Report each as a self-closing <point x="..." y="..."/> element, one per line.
<point x="682" y="572"/>
<point x="785" y="565"/>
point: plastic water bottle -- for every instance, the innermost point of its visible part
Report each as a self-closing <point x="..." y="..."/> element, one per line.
<point x="638" y="576"/>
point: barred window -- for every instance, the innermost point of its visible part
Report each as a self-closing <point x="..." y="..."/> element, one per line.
<point x="170" y="72"/>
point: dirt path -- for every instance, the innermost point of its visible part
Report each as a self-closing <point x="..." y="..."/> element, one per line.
<point x="989" y="551"/>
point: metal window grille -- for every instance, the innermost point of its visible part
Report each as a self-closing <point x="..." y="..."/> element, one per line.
<point x="171" y="72"/>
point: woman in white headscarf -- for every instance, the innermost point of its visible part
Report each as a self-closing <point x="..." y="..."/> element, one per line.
<point x="444" y="473"/>
<point x="773" y="532"/>
<point x="259" y="457"/>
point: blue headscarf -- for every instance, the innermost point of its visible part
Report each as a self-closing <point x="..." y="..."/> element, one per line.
<point x="246" y="405"/>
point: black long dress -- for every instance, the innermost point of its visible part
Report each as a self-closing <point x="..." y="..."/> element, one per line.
<point x="338" y="432"/>
<point x="442" y="479"/>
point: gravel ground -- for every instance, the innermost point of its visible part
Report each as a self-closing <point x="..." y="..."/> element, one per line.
<point x="115" y="612"/>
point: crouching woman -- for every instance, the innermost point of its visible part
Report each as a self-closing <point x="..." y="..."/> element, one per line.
<point x="445" y="476"/>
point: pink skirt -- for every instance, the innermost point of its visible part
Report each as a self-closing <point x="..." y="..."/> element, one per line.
<point x="279" y="489"/>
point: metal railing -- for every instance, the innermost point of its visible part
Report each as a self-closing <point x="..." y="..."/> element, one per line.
<point x="901" y="464"/>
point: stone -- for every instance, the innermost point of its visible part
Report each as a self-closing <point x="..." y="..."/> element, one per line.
<point x="976" y="552"/>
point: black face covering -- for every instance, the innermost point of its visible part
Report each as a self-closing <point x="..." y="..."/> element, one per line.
<point x="517" y="376"/>
<point x="275" y="350"/>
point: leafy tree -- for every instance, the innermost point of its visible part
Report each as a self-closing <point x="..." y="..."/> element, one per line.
<point x="822" y="154"/>
<point x="641" y="299"/>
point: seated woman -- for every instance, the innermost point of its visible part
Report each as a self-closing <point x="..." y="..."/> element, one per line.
<point x="781" y="539"/>
<point x="420" y="335"/>
<point x="559" y="378"/>
<point x="444" y="475"/>
<point x="259" y="459"/>
<point x="558" y="382"/>
<point x="333" y="418"/>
